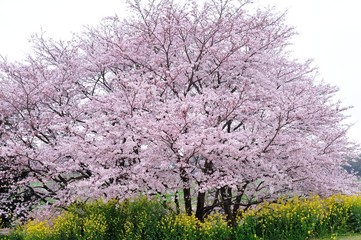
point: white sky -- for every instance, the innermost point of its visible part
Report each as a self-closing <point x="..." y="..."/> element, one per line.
<point x="329" y="32"/>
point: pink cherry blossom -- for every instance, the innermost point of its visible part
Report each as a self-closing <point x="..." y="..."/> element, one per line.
<point x="199" y="99"/>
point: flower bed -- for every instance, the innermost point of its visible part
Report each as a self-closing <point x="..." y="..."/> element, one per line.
<point x="295" y="218"/>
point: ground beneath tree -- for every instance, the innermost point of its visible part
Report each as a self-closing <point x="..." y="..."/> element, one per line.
<point x="349" y="237"/>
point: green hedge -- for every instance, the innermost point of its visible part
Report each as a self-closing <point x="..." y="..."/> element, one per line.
<point x="141" y="218"/>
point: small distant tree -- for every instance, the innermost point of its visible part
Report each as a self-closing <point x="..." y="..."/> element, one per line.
<point x="202" y="100"/>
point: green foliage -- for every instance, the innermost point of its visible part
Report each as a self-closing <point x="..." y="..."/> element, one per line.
<point x="137" y="219"/>
<point x="355" y="218"/>
<point x="304" y="218"/>
<point x="142" y="218"/>
<point x="182" y="226"/>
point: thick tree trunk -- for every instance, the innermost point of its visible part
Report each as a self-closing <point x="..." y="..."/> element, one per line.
<point x="239" y="197"/>
<point x="200" y="205"/>
<point x="186" y="192"/>
<point x="226" y="194"/>
<point x="237" y="204"/>
<point x="187" y="200"/>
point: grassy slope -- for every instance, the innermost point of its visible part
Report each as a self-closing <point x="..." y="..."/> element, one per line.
<point x="352" y="237"/>
<point x="348" y="237"/>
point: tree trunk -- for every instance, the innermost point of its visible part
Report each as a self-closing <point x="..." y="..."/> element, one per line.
<point x="176" y="201"/>
<point x="186" y="192"/>
<point x="226" y="194"/>
<point x="239" y="197"/>
<point x="200" y="205"/>
<point x="187" y="200"/>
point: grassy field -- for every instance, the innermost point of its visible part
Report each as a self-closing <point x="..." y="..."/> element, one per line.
<point x="351" y="237"/>
<point x="354" y="237"/>
<point x="348" y="237"/>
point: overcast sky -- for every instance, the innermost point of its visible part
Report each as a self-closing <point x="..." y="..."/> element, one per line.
<point x="329" y="32"/>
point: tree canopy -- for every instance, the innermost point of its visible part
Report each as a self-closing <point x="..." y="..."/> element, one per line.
<point x="202" y="100"/>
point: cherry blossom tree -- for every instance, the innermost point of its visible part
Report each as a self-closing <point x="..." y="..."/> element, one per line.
<point x="199" y="102"/>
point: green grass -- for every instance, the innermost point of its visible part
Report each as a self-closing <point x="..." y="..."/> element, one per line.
<point x="342" y="237"/>
<point x="355" y="237"/>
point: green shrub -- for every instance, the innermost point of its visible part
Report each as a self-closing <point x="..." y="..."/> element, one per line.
<point x="143" y="218"/>
<point x="140" y="218"/>
<point x="68" y="226"/>
<point x="303" y="218"/>
<point x="355" y="218"/>
<point x="246" y="228"/>
<point x="136" y="219"/>
<point x="182" y="226"/>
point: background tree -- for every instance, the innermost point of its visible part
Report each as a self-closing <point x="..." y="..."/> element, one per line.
<point x="202" y="100"/>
